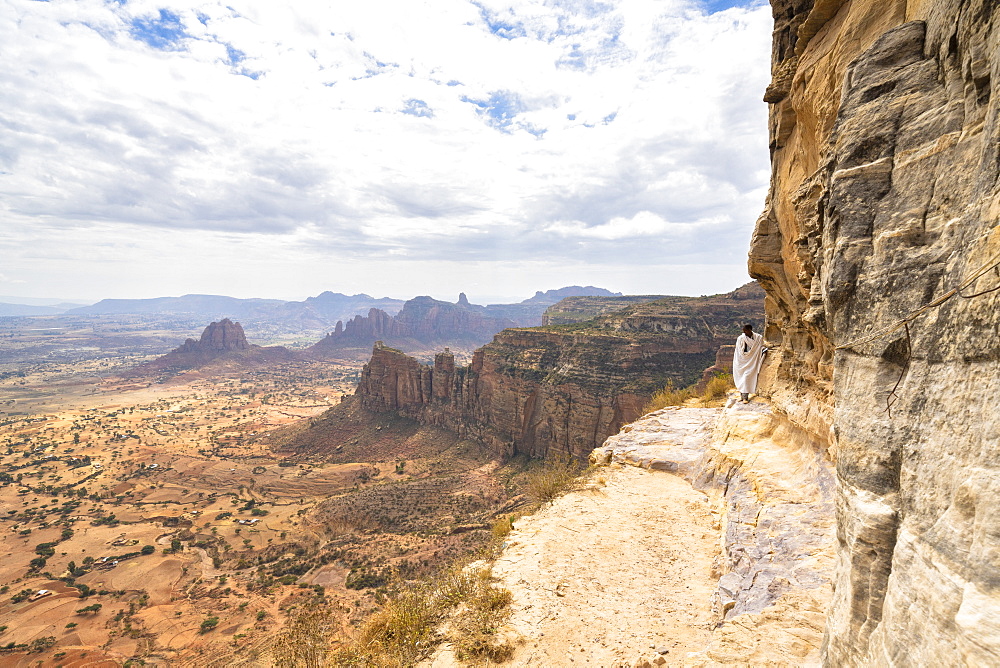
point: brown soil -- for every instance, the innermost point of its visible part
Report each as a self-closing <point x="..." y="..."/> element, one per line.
<point x="192" y="460"/>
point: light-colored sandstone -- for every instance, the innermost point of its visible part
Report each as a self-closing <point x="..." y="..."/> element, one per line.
<point x="885" y="196"/>
<point x="630" y="564"/>
<point x="774" y="496"/>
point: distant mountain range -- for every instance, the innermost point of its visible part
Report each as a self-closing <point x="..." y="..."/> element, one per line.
<point x="321" y="312"/>
<point x="18" y="306"/>
<point x="426" y="323"/>
<point x="421" y="326"/>
<point x="29" y="309"/>
<point x="315" y="312"/>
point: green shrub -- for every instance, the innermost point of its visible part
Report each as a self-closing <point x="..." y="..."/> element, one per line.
<point x="364" y="578"/>
<point x="45" y="549"/>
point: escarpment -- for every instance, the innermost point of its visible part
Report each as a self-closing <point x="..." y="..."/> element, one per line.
<point x="878" y="249"/>
<point x="580" y="309"/>
<point x="563" y="389"/>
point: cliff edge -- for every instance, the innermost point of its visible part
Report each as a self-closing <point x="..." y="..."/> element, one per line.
<point x="560" y="389"/>
<point x="879" y="250"/>
<point x="704" y="537"/>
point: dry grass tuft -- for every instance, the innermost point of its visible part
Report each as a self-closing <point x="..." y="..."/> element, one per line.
<point x="718" y="387"/>
<point x="668" y="396"/>
<point x="405" y="629"/>
<point x="305" y="641"/>
<point x="550" y="478"/>
<point x="501" y="527"/>
<point x="715" y="391"/>
<point x="474" y="634"/>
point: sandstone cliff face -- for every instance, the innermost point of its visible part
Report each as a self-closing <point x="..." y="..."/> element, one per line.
<point x="885" y="198"/>
<point x="509" y="398"/>
<point x="560" y="390"/>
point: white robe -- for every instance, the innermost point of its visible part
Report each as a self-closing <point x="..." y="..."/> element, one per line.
<point x="746" y="365"/>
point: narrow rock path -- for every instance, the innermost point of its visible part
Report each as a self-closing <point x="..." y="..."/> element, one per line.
<point x="705" y="540"/>
<point x="613" y="573"/>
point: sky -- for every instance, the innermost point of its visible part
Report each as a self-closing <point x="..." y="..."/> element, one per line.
<point x="262" y="148"/>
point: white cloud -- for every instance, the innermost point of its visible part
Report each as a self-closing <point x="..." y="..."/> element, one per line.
<point x="642" y="224"/>
<point x="577" y="132"/>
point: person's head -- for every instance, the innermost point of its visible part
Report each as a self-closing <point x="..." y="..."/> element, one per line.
<point x="748" y="329"/>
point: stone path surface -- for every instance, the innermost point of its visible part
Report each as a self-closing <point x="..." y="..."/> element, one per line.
<point x="613" y="572"/>
<point x="706" y="538"/>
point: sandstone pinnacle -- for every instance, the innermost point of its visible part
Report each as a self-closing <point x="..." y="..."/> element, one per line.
<point x="222" y="336"/>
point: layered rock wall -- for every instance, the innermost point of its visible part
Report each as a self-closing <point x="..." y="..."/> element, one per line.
<point x="561" y="390"/>
<point x="878" y="250"/>
<point x="509" y="397"/>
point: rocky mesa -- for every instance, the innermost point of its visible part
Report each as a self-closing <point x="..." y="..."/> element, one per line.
<point x="879" y="251"/>
<point x="580" y="309"/>
<point x="221" y="344"/>
<point x="422" y="323"/>
<point x="561" y="390"/>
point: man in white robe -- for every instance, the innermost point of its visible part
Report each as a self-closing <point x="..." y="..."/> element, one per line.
<point x="747" y="359"/>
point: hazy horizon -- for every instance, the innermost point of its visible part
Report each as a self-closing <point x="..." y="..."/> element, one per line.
<point x="483" y="299"/>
